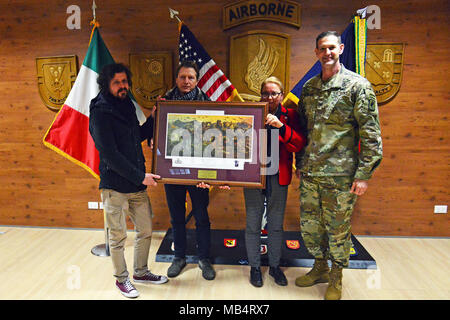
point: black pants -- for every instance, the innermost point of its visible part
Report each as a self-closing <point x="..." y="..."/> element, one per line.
<point x="176" y="200"/>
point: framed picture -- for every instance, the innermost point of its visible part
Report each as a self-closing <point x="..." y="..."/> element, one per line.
<point x="219" y="143"/>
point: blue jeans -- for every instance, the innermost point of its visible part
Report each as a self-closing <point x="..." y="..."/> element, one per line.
<point x="176" y="200"/>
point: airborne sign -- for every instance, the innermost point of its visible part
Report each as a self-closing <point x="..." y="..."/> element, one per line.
<point x="240" y="12"/>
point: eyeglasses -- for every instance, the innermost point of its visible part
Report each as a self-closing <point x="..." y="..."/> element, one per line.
<point x="266" y="95"/>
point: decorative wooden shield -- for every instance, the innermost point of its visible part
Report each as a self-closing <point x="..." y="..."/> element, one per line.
<point x="384" y="67"/>
<point x="152" y="76"/>
<point x="56" y="76"/>
<point x="255" y="56"/>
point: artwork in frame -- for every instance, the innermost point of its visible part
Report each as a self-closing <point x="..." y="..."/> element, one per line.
<point x="220" y="143"/>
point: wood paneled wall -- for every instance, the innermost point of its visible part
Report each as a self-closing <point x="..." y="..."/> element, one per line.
<point x="41" y="188"/>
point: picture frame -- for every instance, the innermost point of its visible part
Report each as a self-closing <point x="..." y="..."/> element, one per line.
<point x="218" y="143"/>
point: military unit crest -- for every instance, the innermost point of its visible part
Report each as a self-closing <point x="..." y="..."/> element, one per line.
<point x="56" y="76"/>
<point x="353" y="252"/>
<point x="263" y="249"/>
<point x="384" y="66"/>
<point x="152" y="76"/>
<point x="230" y="243"/>
<point x="256" y="55"/>
<point x="293" y="244"/>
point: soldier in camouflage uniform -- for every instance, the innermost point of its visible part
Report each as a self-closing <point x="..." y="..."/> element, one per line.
<point x="339" y="110"/>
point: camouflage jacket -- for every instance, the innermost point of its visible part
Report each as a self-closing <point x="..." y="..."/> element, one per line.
<point x="337" y="114"/>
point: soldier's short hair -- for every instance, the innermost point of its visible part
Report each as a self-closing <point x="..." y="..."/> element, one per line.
<point x="272" y="79"/>
<point x="187" y="64"/>
<point x="326" y="34"/>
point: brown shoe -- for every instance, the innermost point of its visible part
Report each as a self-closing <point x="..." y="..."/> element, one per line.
<point x="318" y="274"/>
<point x="334" y="290"/>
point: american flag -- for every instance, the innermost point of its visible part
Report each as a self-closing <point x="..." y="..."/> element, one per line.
<point x="211" y="79"/>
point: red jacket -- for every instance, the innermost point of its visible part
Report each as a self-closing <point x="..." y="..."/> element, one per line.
<point x="292" y="141"/>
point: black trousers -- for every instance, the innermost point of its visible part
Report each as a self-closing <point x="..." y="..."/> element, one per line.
<point x="176" y="200"/>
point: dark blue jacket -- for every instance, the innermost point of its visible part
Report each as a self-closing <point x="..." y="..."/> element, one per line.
<point x="117" y="135"/>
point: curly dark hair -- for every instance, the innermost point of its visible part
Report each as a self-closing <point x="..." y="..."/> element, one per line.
<point x="108" y="72"/>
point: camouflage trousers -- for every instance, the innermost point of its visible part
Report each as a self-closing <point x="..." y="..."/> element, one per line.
<point x="326" y="206"/>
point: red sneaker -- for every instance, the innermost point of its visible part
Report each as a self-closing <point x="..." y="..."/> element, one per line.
<point x="127" y="289"/>
<point x="150" y="278"/>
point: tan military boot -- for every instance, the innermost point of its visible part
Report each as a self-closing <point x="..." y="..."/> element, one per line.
<point x="318" y="274"/>
<point x="334" y="290"/>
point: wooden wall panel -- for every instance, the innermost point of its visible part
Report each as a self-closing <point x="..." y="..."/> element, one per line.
<point x="41" y="188"/>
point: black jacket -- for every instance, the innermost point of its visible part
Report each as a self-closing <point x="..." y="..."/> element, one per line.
<point x="117" y="135"/>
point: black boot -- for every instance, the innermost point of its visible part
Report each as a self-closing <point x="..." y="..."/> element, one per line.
<point x="278" y="276"/>
<point x="256" y="277"/>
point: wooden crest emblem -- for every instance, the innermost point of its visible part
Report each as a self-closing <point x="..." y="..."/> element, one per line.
<point x="56" y="76"/>
<point x="384" y="67"/>
<point x="152" y="76"/>
<point x="255" y="56"/>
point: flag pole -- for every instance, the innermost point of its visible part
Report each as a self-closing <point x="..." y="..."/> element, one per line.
<point x="94" y="21"/>
<point x="174" y="15"/>
<point x="94" y="6"/>
<point x="101" y="250"/>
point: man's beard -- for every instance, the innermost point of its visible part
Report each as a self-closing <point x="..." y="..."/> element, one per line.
<point x="121" y="97"/>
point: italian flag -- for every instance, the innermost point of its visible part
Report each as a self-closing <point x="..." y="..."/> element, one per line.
<point x="69" y="133"/>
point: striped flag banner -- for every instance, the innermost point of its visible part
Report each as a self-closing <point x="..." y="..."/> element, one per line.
<point x="212" y="81"/>
<point x="69" y="134"/>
